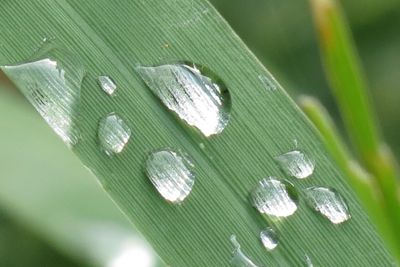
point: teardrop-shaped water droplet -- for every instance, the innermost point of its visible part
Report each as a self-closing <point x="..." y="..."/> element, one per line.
<point x="113" y="134"/>
<point x="193" y="92"/>
<point x="269" y="238"/>
<point x="275" y="197"/>
<point x="107" y="84"/>
<point x="329" y="203"/>
<point x="52" y="82"/>
<point x="296" y="164"/>
<point x="171" y="172"/>
<point x="238" y="258"/>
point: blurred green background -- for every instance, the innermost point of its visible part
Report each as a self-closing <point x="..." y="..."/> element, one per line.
<point x="281" y="34"/>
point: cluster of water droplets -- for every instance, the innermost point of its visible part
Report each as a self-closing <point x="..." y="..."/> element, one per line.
<point x="52" y="82"/>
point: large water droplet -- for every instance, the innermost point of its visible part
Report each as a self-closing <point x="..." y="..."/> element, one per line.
<point x="193" y="92"/>
<point x="296" y="164"/>
<point x="171" y="172"/>
<point x="107" y="84"/>
<point x="113" y="134"/>
<point x="269" y="238"/>
<point x="238" y="258"/>
<point x="275" y="197"/>
<point x="329" y="203"/>
<point x="51" y="82"/>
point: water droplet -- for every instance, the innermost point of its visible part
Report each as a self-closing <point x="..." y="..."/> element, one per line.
<point x="51" y="82"/>
<point x="113" y="134"/>
<point x="269" y="238"/>
<point x="275" y="197"/>
<point x="296" y="164"/>
<point x="171" y="172"/>
<point x="238" y="258"/>
<point x="107" y="84"/>
<point x="268" y="81"/>
<point x="308" y="261"/>
<point x="193" y="92"/>
<point x="329" y="203"/>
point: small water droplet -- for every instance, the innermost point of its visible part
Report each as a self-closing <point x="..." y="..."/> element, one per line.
<point x="308" y="261"/>
<point x="329" y="203"/>
<point x="238" y="258"/>
<point x="269" y="238"/>
<point x="51" y="82"/>
<point x="268" y="82"/>
<point x="193" y="92"/>
<point x="202" y="146"/>
<point x="275" y="197"/>
<point x="113" y="134"/>
<point x="107" y="84"/>
<point x="296" y="164"/>
<point x="171" y="172"/>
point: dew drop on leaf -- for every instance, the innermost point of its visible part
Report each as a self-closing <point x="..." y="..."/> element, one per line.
<point x="171" y="173"/>
<point x="269" y="238"/>
<point x="192" y="92"/>
<point x="296" y="164"/>
<point x="51" y="81"/>
<point x="275" y="197"/>
<point x="329" y="203"/>
<point x="107" y="84"/>
<point x="113" y="134"/>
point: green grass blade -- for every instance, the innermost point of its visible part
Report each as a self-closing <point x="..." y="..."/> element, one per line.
<point x="112" y="39"/>
<point x="362" y="182"/>
<point x="348" y="83"/>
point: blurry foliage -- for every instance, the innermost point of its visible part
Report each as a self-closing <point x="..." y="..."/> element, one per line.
<point x="18" y="248"/>
<point x="281" y="33"/>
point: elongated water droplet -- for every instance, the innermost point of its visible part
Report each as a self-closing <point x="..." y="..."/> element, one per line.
<point x="238" y="258"/>
<point x="269" y="238"/>
<point x="308" y="261"/>
<point x="329" y="203"/>
<point x="107" y="84"/>
<point x="52" y="82"/>
<point x="193" y="92"/>
<point x="113" y="134"/>
<point x="171" y="172"/>
<point x="296" y="164"/>
<point x="275" y="197"/>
